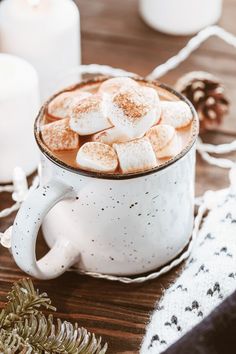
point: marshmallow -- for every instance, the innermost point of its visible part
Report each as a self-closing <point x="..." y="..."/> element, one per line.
<point x="87" y="116"/>
<point x="133" y="110"/>
<point x="160" y="136"/>
<point x="59" y="136"/>
<point x="110" y="136"/>
<point x="170" y="150"/>
<point x="136" y="155"/>
<point x="98" y="157"/>
<point x="111" y="86"/>
<point x="178" y="114"/>
<point x="164" y="140"/>
<point x="61" y="105"/>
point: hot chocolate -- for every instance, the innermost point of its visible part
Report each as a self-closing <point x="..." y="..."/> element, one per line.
<point x="116" y="125"/>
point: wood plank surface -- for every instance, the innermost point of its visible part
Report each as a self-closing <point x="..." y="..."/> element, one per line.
<point x="114" y="34"/>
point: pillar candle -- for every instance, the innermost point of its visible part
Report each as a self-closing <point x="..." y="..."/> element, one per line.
<point x="180" y="17"/>
<point x="44" y="32"/>
<point x="19" y="105"/>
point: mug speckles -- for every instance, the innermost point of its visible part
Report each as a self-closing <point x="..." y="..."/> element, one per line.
<point x="130" y="220"/>
<point x="119" y="226"/>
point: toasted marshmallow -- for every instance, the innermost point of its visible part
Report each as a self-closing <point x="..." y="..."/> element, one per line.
<point x="133" y="110"/>
<point x="111" y="86"/>
<point x="87" y="116"/>
<point x="164" y="140"/>
<point x="61" y="105"/>
<point x="59" y="136"/>
<point x="136" y="155"/>
<point x="178" y="114"/>
<point x="110" y="136"/>
<point x="98" y="157"/>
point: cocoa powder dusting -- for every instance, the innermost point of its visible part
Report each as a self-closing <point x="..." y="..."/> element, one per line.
<point x="59" y="136"/>
<point x="87" y="105"/>
<point x="100" y="152"/>
<point x="132" y="105"/>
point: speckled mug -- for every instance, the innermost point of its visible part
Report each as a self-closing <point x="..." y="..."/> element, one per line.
<point x="114" y="224"/>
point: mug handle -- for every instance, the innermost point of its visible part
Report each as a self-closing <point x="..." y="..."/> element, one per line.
<point x="25" y="230"/>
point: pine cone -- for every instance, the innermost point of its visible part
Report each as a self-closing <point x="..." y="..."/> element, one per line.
<point x="207" y="94"/>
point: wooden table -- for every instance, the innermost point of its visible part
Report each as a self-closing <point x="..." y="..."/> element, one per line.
<point x="114" y="34"/>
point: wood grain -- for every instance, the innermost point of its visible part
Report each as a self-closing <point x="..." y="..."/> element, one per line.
<point x="114" y="34"/>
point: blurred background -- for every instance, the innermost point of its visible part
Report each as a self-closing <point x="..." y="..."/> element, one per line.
<point x="114" y="33"/>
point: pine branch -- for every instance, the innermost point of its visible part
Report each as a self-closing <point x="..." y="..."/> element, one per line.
<point x="43" y="336"/>
<point x="24" y="329"/>
<point x="22" y="300"/>
<point x="11" y="342"/>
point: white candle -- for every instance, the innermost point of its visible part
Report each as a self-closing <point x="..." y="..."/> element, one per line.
<point x="19" y="104"/>
<point x="44" y="32"/>
<point x="180" y="17"/>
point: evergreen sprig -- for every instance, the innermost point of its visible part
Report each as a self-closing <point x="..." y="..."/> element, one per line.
<point x="24" y="329"/>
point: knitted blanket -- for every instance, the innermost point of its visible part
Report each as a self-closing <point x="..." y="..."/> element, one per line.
<point x="214" y="335"/>
<point x="207" y="279"/>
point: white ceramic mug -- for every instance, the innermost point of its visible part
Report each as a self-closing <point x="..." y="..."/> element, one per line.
<point x="115" y="224"/>
<point x="180" y="17"/>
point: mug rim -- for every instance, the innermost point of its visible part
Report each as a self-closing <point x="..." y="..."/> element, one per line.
<point x="114" y="176"/>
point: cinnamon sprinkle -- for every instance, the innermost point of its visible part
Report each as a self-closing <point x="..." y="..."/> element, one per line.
<point x="132" y="103"/>
<point x="59" y="136"/>
<point x="99" y="151"/>
<point x="87" y="105"/>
